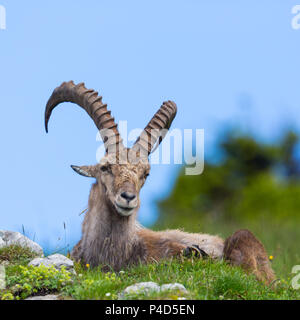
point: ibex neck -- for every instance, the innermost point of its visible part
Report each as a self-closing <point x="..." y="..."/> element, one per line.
<point x="108" y="238"/>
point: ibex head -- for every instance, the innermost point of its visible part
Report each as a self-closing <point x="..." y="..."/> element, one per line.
<point x="122" y="172"/>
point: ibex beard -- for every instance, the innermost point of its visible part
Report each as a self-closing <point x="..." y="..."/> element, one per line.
<point x="111" y="235"/>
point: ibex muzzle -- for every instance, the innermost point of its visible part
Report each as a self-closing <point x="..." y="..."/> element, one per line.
<point x="127" y="199"/>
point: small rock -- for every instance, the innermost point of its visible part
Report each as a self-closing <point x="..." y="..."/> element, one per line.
<point x="173" y="287"/>
<point x="48" y="297"/>
<point x="8" y="238"/>
<point x="2" y="278"/>
<point x="142" y="288"/>
<point x="4" y="263"/>
<point x="150" y="287"/>
<point x="56" y="260"/>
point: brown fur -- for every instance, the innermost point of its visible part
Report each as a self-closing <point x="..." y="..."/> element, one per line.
<point x="116" y="241"/>
<point x="243" y="249"/>
<point x="110" y="234"/>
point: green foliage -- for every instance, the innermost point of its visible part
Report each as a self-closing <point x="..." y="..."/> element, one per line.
<point x="269" y="197"/>
<point x="23" y="281"/>
<point x="204" y="279"/>
<point x="94" y="285"/>
<point x="254" y="186"/>
<point x="16" y="254"/>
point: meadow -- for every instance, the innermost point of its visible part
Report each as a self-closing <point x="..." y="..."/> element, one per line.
<point x="203" y="279"/>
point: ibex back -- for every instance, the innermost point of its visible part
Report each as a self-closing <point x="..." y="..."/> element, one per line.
<point x="111" y="236"/>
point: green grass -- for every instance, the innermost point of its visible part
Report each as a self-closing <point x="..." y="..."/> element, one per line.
<point x="204" y="279"/>
<point x="281" y="239"/>
<point x="16" y="254"/>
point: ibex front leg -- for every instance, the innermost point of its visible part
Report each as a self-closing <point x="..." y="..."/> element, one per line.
<point x="196" y="251"/>
<point x="159" y="246"/>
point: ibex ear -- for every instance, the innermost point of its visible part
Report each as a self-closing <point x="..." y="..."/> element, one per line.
<point x="86" y="171"/>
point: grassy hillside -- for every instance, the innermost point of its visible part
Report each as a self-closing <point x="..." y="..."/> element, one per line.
<point x="253" y="186"/>
<point x="280" y="240"/>
<point x="204" y="279"/>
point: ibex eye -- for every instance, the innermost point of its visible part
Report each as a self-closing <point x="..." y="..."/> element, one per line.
<point x="104" y="169"/>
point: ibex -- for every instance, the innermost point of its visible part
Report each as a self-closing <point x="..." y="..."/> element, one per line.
<point x="111" y="236"/>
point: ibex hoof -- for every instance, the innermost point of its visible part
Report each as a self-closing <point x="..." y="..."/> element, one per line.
<point x="195" y="251"/>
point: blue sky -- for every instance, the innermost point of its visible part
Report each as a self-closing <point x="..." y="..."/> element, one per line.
<point x="222" y="62"/>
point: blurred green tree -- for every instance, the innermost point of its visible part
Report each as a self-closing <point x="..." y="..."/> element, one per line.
<point x="253" y="180"/>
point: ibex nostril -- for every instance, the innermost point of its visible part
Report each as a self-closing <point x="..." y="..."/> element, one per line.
<point x="128" y="196"/>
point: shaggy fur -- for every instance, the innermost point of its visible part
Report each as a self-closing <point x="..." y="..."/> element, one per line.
<point x="111" y="237"/>
<point x="243" y="249"/>
<point x="116" y="241"/>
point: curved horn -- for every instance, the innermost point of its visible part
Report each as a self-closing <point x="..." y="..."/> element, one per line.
<point x="92" y="104"/>
<point x="157" y="128"/>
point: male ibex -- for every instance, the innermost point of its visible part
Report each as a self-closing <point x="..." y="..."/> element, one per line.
<point x="111" y="236"/>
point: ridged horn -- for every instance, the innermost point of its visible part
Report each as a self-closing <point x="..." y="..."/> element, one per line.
<point x="157" y="128"/>
<point x="92" y="103"/>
